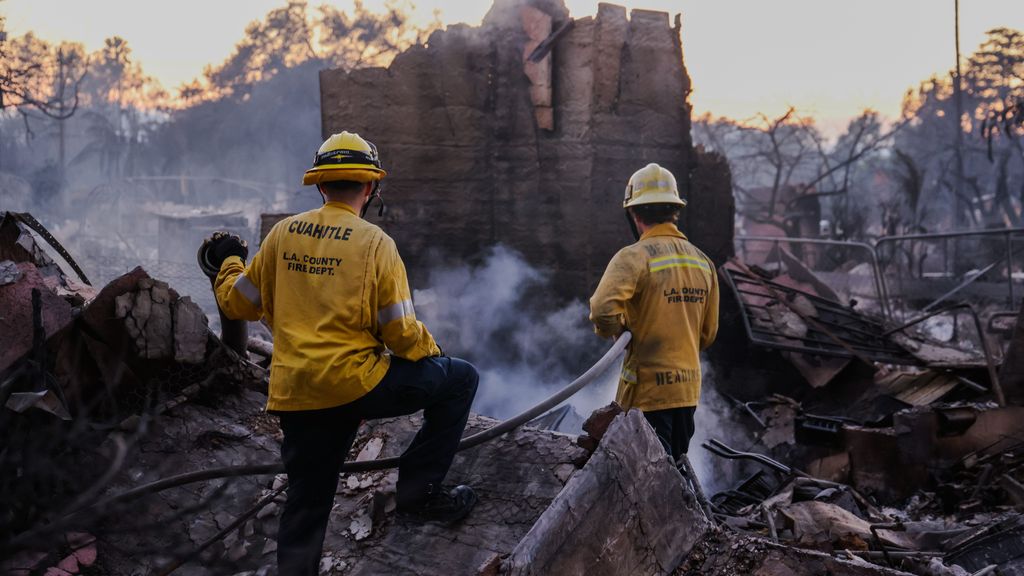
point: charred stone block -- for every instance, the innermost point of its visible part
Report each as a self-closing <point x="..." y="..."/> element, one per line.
<point x="599" y="421"/>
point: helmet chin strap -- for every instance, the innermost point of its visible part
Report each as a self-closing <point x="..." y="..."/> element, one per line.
<point x="632" y="225"/>
<point x="382" y="209"/>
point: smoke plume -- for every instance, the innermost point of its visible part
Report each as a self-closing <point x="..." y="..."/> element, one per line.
<point x="499" y="316"/>
<point x="716" y="418"/>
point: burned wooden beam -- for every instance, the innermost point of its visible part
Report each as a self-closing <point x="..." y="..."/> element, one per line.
<point x="627" y="511"/>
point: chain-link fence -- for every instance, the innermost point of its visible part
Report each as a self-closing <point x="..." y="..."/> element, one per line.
<point x="184" y="277"/>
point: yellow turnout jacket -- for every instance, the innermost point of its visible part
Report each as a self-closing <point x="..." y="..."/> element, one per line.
<point x="334" y="292"/>
<point x="665" y="291"/>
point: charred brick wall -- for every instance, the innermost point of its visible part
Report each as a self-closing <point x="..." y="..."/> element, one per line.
<point x="463" y="127"/>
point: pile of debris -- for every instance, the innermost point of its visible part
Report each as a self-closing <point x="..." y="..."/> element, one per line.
<point x="868" y="438"/>
<point x="89" y="383"/>
<point x="136" y="440"/>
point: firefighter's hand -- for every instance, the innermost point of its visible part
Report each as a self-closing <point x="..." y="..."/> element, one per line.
<point x="223" y="245"/>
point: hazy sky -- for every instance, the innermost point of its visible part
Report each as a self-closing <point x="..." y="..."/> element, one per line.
<point x="829" y="58"/>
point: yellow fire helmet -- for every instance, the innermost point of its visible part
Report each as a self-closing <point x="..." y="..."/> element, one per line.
<point x="652" y="184"/>
<point x="345" y="156"/>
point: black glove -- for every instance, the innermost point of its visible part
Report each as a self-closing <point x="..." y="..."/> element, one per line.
<point x="223" y="245"/>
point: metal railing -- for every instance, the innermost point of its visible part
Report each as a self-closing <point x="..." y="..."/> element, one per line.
<point x="872" y="252"/>
<point x="1007" y="235"/>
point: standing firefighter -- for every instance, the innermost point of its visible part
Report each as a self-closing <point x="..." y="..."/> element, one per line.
<point x="347" y="347"/>
<point x="663" y="290"/>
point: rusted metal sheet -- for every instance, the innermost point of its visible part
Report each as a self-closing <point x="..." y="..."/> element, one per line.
<point x="1000" y="544"/>
<point x="16" y="314"/>
<point x="917" y="387"/>
<point x="789" y="319"/>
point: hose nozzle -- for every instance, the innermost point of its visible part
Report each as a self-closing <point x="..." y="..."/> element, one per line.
<point x="203" y="255"/>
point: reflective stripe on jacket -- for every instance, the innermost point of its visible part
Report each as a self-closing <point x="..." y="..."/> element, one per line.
<point x="665" y="291"/>
<point x="334" y="292"/>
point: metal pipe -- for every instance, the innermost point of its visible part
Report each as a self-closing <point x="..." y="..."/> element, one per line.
<point x="945" y="256"/>
<point x="971" y="384"/>
<point x="938" y="235"/>
<point x="691" y="476"/>
<point x="1009" y="267"/>
<point x="874" y="528"/>
<point x="723" y="450"/>
<point x="876" y="555"/>
<point x="945" y="236"/>
<point x="234" y="333"/>
<point x="967" y="282"/>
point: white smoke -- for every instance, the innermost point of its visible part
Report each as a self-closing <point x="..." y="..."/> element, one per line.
<point x="500" y="316"/>
<point x="715" y="418"/>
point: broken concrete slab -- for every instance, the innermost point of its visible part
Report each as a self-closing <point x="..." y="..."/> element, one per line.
<point x="939" y="354"/>
<point x="626" y="512"/>
<point x="162" y="325"/>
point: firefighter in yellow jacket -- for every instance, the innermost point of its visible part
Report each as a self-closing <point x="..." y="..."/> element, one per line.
<point x="665" y="291"/>
<point x="347" y="347"/>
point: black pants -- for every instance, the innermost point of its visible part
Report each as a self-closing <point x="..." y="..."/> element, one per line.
<point x="316" y="443"/>
<point x="674" y="428"/>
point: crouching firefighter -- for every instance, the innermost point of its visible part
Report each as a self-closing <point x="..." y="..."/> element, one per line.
<point x="347" y="347"/>
<point x="665" y="291"/>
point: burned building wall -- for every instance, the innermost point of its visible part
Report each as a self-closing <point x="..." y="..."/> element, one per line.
<point x="482" y="148"/>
